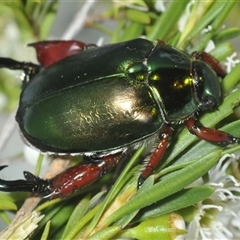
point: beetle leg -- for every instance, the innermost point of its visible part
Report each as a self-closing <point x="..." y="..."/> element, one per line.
<point x="29" y="69"/>
<point x="211" y="135"/>
<point x="49" y="52"/>
<point x="65" y="183"/>
<point x="161" y="42"/>
<point x="82" y="175"/>
<point x="156" y="155"/>
<point x="32" y="184"/>
<point x="213" y="62"/>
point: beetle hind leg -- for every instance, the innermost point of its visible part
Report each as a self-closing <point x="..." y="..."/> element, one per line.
<point x="31" y="184"/>
<point x="82" y="175"/>
<point x="29" y="69"/>
<point x="65" y="183"/>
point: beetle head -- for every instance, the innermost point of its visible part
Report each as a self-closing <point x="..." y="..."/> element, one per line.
<point x="207" y="89"/>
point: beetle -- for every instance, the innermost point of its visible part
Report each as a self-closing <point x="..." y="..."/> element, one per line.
<point x="99" y="101"/>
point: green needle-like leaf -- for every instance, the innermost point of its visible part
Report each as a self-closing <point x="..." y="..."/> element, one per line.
<point x="184" y="198"/>
<point x="171" y="184"/>
<point x="167" y="21"/>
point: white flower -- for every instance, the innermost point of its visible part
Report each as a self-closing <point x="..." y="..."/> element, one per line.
<point x="231" y="62"/>
<point x="184" y="19"/>
<point x="159" y="6"/>
<point x="218" y="217"/>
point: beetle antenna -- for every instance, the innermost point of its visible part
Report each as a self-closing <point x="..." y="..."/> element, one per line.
<point x="32" y="184"/>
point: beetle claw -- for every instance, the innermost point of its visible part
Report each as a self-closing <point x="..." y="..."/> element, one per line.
<point x="2" y="167"/>
<point x="31" y="184"/>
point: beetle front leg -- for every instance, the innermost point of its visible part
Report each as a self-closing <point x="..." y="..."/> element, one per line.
<point x="156" y="155"/>
<point x="213" y="62"/>
<point x="208" y="134"/>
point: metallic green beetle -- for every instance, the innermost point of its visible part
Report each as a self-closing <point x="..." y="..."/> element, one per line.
<point x="98" y="101"/>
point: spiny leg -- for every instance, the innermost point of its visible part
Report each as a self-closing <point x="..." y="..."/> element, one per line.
<point x="82" y="175"/>
<point x="208" y="58"/>
<point x="156" y="155"/>
<point x="65" y="183"/>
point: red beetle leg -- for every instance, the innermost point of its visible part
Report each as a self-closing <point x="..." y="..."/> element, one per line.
<point x="161" y="42"/>
<point x="157" y="154"/>
<point x="49" y="52"/>
<point x="82" y="175"/>
<point x="214" y="63"/>
<point x="211" y="135"/>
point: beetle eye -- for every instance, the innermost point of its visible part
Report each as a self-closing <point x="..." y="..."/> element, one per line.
<point x="209" y="102"/>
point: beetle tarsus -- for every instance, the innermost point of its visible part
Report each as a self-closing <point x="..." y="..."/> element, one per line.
<point x="31" y="184"/>
<point x="29" y="69"/>
<point x="39" y="185"/>
<point x="140" y="181"/>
